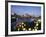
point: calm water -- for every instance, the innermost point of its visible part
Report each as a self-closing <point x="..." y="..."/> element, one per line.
<point x="24" y="19"/>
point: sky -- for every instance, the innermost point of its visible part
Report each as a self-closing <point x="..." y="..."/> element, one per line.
<point x="22" y="10"/>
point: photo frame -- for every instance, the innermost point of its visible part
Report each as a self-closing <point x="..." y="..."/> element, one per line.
<point x="24" y="18"/>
